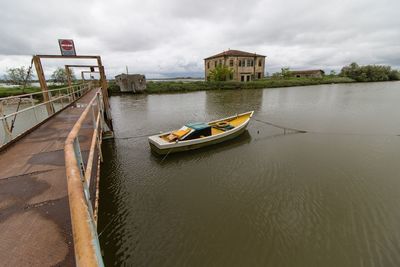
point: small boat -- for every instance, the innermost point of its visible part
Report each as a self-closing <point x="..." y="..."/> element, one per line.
<point x="200" y="134"/>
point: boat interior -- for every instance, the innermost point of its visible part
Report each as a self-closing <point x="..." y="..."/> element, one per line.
<point x="201" y="129"/>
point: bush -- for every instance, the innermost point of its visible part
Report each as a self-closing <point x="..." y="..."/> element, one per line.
<point x="369" y="73"/>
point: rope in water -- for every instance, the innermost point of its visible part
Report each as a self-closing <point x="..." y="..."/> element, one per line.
<point x="281" y="127"/>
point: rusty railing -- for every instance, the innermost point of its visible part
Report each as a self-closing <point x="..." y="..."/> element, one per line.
<point x="19" y="114"/>
<point x="79" y="174"/>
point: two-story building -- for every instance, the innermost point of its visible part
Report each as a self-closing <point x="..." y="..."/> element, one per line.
<point x="246" y="66"/>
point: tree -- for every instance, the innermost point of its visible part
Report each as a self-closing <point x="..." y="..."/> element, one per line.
<point x="394" y="75"/>
<point x="369" y="73"/>
<point x="18" y="76"/>
<point x="60" y="76"/>
<point x="221" y="73"/>
<point x="286" y="72"/>
<point x="276" y="75"/>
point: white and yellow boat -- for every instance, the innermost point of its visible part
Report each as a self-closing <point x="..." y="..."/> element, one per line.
<point x="200" y="134"/>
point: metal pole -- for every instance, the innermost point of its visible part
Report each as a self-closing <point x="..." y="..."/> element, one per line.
<point x="79" y="158"/>
<point x="43" y="84"/>
<point x="7" y="132"/>
<point x="34" y="108"/>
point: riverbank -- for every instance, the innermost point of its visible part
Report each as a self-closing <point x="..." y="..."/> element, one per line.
<point x="13" y="91"/>
<point x="172" y="87"/>
<point x="179" y="86"/>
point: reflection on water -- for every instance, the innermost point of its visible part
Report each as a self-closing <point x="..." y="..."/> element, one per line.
<point x="324" y="198"/>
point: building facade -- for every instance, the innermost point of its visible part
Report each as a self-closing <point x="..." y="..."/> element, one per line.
<point x="135" y="83"/>
<point x="307" y="73"/>
<point x="246" y="66"/>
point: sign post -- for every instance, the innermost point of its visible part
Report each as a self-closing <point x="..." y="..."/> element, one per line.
<point x="67" y="47"/>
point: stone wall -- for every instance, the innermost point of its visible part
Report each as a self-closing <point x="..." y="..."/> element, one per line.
<point x="135" y="83"/>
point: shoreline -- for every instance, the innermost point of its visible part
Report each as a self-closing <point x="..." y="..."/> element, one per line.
<point x="171" y="87"/>
<point x="184" y="87"/>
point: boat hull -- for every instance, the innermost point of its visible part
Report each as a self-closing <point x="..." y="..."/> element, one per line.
<point x="189" y="147"/>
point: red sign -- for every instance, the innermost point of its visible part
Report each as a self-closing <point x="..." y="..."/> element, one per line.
<point x="67" y="47"/>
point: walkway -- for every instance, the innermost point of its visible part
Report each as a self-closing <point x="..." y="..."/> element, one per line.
<point x="35" y="223"/>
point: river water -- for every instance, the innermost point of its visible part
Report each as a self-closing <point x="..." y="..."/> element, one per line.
<point x="329" y="197"/>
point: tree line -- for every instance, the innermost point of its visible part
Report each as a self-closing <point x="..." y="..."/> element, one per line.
<point x="22" y="76"/>
<point x="367" y="73"/>
<point x="370" y="73"/>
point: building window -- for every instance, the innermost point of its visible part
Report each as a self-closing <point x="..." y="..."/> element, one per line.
<point x="260" y="63"/>
<point x="220" y="62"/>
<point x="208" y="64"/>
<point x="249" y="63"/>
<point x="240" y="62"/>
<point x="231" y="63"/>
<point x="259" y="75"/>
<point x="215" y="63"/>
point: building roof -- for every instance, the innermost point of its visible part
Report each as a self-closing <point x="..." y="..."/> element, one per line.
<point x="305" y="71"/>
<point x="235" y="53"/>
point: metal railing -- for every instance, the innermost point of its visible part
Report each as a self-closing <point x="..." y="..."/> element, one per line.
<point x="16" y="121"/>
<point x="79" y="176"/>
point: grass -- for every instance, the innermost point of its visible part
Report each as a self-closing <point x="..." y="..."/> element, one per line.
<point x="7" y="91"/>
<point x="171" y="87"/>
<point x="177" y="87"/>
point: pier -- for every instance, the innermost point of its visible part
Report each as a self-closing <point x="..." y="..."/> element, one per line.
<point x="49" y="176"/>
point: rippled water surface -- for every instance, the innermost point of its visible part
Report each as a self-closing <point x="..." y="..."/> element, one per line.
<point x="329" y="197"/>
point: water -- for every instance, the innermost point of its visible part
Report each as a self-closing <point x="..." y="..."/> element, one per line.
<point x="24" y="120"/>
<point x="329" y="197"/>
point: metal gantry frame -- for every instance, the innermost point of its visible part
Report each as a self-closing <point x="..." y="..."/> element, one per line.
<point x="87" y="71"/>
<point x="91" y="67"/>
<point x="103" y="80"/>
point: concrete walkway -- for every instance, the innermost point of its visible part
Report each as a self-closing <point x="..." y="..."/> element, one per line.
<point x="35" y="224"/>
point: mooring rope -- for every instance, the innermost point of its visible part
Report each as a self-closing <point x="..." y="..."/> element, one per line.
<point x="281" y="127"/>
<point x="136" y="136"/>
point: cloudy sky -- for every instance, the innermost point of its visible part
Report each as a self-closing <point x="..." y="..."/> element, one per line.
<point x="164" y="38"/>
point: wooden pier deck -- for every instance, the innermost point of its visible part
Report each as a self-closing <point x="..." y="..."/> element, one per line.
<point x="35" y="221"/>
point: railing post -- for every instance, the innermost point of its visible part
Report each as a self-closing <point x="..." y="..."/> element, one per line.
<point x="99" y="133"/>
<point x="101" y="108"/>
<point x="51" y="102"/>
<point x="73" y="92"/>
<point x="34" y="108"/>
<point x="79" y="158"/>
<point x="93" y="117"/>
<point x="62" y="101"/>
<point x="7" y="132"/>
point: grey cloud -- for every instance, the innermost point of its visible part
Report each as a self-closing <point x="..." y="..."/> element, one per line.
<point x="163" y="37"/>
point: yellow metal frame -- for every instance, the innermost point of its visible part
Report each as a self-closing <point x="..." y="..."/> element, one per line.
<point x="103" y="80"/>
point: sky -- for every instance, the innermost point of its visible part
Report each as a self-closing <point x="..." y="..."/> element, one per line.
<point x="170" y="38"/>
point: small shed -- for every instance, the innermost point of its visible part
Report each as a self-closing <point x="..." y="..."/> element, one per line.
<point x="135" y="83"/>
<point x="307" y="73"/>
